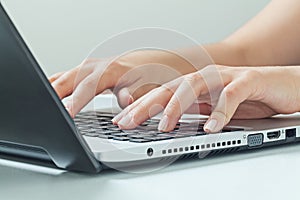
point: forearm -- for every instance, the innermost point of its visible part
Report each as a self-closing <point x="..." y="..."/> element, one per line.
<point x="272" y="37"/>
<point x="269" y="39"/>
<point x="186" y="60"/>
<point x="228" y="54"/>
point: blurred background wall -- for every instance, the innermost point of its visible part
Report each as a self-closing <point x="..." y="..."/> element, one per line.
<point x="61" y="33"/>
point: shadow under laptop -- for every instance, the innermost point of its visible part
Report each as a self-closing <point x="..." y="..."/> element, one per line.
<point x="146" y="169"/>
<point x="32" y="180"/>
<point x="199" y="162"/>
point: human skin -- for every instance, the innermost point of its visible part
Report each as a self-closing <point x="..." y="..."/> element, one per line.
<point x="245" y="93"/>
<point x="269" y="39"/>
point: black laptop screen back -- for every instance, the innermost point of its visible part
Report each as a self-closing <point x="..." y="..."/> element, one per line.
<point x="30" y="112"/>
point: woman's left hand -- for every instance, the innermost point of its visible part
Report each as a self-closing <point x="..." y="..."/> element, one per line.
<point x="221" y="92"/>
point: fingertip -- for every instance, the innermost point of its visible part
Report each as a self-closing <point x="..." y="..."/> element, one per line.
<point x="130" y="100"/>
<point x="124" y="98"/>
<point x="68" y="108"/>
<point x="214" y="124"/>
<point x="164" y="123"/>
<point x="117" y="118"/>
<point x="167" y="123"/>
<point x="51" y="79"/>
<point x="210" y="125"/>
<point x="113" y="121"/>
<point x="54" y="77"/>
<point x="127" y="122"/>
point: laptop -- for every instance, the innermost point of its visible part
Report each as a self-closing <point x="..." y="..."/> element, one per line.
<point x="35" y="126"/>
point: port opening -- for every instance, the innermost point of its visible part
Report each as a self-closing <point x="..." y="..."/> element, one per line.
<point x="150" y="152"/>
<point x="273" y="135"/>
<point x="255" y="140"/>
<point x="290" y="133"/>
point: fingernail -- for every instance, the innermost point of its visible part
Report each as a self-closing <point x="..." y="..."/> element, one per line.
<point x="68" y="109"/>
<point x="117" y="118"/>
<point x="163" y="124"/>
<point x="125" y="121"/>
<point x="211" y="125"/>
<point x="130" y="100"/>
<point x="114" y="121"/>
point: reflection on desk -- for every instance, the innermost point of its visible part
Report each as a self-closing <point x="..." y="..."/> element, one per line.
<point x="271" y="173"/>
<point x="246" y="175"/>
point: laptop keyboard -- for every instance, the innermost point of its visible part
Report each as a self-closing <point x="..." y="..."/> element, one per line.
<point x="98" y="124"/>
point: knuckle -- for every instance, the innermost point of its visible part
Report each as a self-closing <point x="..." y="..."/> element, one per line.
<point x="113" y="66"/>
<point x="89" y="83"/>
<point x="116" y="63"/>
<point x="251" y="75"/>
<point x="192" y="78"/>
<point x="163" y="89"/>
<point x="211" y="66"/>
<point x="230" y="92"/>
<point x="214" y="67"/>
<point x="61" y="83"/>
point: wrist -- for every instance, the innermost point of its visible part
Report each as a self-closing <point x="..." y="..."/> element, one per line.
<point x="226" y="53"/>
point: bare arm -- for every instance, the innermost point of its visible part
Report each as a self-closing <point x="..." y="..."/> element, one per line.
<point x="270" y="38"/>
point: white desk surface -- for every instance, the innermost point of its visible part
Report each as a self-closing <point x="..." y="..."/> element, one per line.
<point x="265" y="174"/>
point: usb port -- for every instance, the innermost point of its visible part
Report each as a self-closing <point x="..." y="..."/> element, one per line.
<point x="273" y="135"/>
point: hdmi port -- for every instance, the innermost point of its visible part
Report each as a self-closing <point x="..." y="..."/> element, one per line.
<point x="273" y="135"/>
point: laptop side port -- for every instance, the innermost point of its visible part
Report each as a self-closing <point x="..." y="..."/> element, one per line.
<point x="273" y="135"/>
<point x="290" y="133"/>
<point x="255" y="140"/>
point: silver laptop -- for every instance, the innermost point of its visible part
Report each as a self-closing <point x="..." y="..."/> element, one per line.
<point x="35" y="126"/>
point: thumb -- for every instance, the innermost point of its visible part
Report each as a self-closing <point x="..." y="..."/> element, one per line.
<point x="124" y="97"/>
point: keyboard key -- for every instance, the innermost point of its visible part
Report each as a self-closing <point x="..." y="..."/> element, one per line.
<point x="136" y="136"/>
<point x="91" y="134"/>
<point x="158" y="138"/>
<point x="120" y="138"/>
<point x="108" y="132"/>
<point x="120" y="134"/>
<point x="105" y="136"/>
<point x="98" y="124"/>
<point x="139" y="140"/>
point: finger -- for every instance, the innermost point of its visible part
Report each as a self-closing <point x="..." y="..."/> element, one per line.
<point x="185" y="95"/>
<point x="64" y="84"/>
<point x="172" y="85"/>
<point x="196" y="108"/>
<point x="94" y="84"/>
<point x="67" y="82"/>
<point x="147" y="108"/>
<point x="125" y="112"/>
<point x="253" y="110"/>
<point x="55" y="76"/>
<point x="127" y="95"/>
<point x="233" y="94"/>
<point x="86" y="91"/>
<point x="124" y="97"/>
<point x="147" y="105"/>
<point x="140" y="91"/>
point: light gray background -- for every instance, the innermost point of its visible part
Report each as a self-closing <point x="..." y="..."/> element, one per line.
<point x="61" y="33"/>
